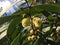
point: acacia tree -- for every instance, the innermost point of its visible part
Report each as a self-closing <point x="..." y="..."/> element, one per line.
<point x="27" y="26"/>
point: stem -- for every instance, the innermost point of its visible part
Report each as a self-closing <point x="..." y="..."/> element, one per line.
<point x="29" y="7"/>
<point x="27" y="3"/>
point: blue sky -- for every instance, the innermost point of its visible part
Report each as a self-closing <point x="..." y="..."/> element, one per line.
<point x="1" y="0"/>
<point x="13" y="9"/>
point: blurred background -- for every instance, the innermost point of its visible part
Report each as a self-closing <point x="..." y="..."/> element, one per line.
<point x="4" y="4"/>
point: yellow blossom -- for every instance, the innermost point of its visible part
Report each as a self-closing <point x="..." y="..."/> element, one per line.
<point x="26" y="22"/>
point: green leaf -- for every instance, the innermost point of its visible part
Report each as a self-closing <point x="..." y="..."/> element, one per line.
<point x="48" y="33"/>
<point x="16" y="40"/>
<point x="48" y="7"/>
<point x="17" y="31"/>
<point x="7" y="18"/>
<point x="26" y="42"/>
<point x="23" y="37"/>
<point x="29" y="0"/>
<point x="50" y="17"/>
<point x="37" y="42"/>
<point x="13" y="25"/>
<point x="19" y="39"/>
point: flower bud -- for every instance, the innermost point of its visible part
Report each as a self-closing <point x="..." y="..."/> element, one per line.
<point x="33" y="37"/>
<point x="26" y="22"/>
<point x="37" y="21"/>
<point x="31" y="31"/>
<point x="29" y="38"/>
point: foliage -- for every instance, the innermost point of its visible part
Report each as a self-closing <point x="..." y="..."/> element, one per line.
<point x="19" y="35"/>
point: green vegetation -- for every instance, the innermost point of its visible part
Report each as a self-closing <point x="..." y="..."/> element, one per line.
<point x="18" y="35"/>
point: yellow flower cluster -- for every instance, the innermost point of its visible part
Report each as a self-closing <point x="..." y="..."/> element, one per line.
<point x="27" y="21"/>
<point x="35" y="22"/>
<point x="33" y="37"/>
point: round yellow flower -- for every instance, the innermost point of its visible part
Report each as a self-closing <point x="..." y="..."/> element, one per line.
<point x="37" y="21"/>
<point x="33" y="37"/>
<point x="26" y="22"/>
<point x="29" y="38"/>
<point x="31" y="31"/>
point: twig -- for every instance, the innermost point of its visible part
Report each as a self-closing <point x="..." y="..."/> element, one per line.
<point x="29" y="7"/>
